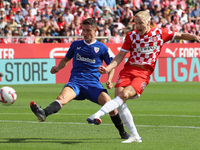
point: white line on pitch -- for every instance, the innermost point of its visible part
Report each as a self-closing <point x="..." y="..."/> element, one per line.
<point x="77" y="123"/>
<point x="71" y="114"/>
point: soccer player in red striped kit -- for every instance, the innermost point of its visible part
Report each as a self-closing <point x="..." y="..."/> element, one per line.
<point x="144" y="45"/>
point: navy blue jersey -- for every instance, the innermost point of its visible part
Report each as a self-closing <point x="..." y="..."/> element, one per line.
<point x="86" y="60"/>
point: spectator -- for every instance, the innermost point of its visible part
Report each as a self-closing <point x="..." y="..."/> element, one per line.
<point x="7" y="9"/>
<point x="2" y="12"/>
<point x="183" y="4"/>
<point x="19" y="29"/>
<point x="46" y="27"/>
<point x="25" y="10"/>
<point x="86" y="14"/>
<point x="117" y="22"/>
<point x="37" y="26"/>
<point x="14" y="39"/>
<point x="61" y="22"/>
<point x="68" y="39"/>
<point x="47" y="14"/>
<point x="184" y="18"/>
<point x="174" y="4"/>
<point x="115" y="39"/>
<point x="111" y="25"/>
<point x="22" y="22"/>
<point x="119" y="5"/>
<point x="96" y="9"/>
<point x="100" y="24"/>
<point x="160" y="22"/>
<point x="154" y="10"/>
<point x="34" y="8"/>
<point x="105" y="40"/>
<point x="148" y="3"/>
<point x="106" y="15"/>
<point x="165" y="3"/>
<point x="189" y="24"/>
<point x="30" y="18"/>
<point x="101" y="3"/>
<point x="8" y="17"/>
<point x="2" y="23"/>
<point x="179" y="10"/>
<point x="89" y="8"/>
<point x="153" y="23"/>
<point x="53" y="22"/>
<point x="195" y="13"/>
<point x="53" y="31"/>
<point x="30" y="38"/>
<point x="112" y="5"/>
<point x="127" y="16"/>
<point x="38" y="16"/>
<point x="56" y="11"/>
<point x="197" y="24"/>
<point x="71" y="6"/>
<point x="38" y="39"/>
<point x="18" y="16"/>
<point x="169" y="23"/>
<point x="156" y="18"/>
<point x="12" y="24"/>
<point x="8" y="39"/>
<point x="106" y="28"/>
<point x="69" y="17"/>
<point x="65" y="29"/>
<point x="79" y="15"/>
<point x="48" y="39"/>
<point x="15" y="7"/>
<point x="25" y="29"/>
<point x="175" y="16"/>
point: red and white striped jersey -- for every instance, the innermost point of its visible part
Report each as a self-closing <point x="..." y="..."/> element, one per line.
<point x="144" y="50"/>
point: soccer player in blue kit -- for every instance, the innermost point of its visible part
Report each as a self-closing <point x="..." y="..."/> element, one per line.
<point x="88" y="54"/>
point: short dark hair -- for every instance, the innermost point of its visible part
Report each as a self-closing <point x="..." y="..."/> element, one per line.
<point x="90" y="21"/>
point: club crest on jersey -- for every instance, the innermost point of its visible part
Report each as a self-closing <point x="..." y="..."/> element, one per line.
<point x="143" y="85"/>
<point x="96" y="49"/>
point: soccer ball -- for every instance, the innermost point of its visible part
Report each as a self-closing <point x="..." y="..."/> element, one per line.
<point x="7" y="96"/>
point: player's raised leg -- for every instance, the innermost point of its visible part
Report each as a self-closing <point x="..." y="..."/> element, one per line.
<point x="65" y="96"/>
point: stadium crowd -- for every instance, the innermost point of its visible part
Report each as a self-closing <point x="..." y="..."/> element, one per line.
<point x="40" y="21"/>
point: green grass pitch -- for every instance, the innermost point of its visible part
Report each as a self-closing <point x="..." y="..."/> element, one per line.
<point x="167" y="116"/>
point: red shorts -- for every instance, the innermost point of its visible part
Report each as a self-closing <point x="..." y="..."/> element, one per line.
<point x="134" y="76"/>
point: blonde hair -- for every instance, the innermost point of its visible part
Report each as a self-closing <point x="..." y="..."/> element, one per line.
<point x="144" y="14"/>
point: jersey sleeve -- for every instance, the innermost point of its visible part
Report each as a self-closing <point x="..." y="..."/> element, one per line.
<point x="107" y="56"/>
<point x="70" y="52"/>
<point x="168" y="35"/>
<point x="127" y="44"/>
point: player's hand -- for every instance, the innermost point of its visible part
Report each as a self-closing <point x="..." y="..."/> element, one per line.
<point x="54" y="70"/>
<point x="197" y="38"/>
<point x="102" y="70"/>
<point x="109" y="85"/>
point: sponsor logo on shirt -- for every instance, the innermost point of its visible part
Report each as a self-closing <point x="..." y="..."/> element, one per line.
<point x="80" y="58"/>
<point x="146" y="49"/>
<point x="78" y="48"/>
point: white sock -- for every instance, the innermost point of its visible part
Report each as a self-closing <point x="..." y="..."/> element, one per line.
<point x="109" y="106"/>
<point x="127" y="119"/>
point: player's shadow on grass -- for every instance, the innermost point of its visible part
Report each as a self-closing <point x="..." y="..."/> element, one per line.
<point x="49" y="140"/>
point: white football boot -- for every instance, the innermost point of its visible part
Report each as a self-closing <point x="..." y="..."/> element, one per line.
<point x="132" y="139"/>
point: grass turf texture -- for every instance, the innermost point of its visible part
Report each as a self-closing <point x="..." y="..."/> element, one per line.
<point x="166" y="115"/>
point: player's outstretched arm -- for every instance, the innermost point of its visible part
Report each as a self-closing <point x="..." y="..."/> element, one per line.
<point x="61" y="65"/>
<point x="187" y="36"/>
<point x="109" y="80"/>
<point x="115" y="62"/>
